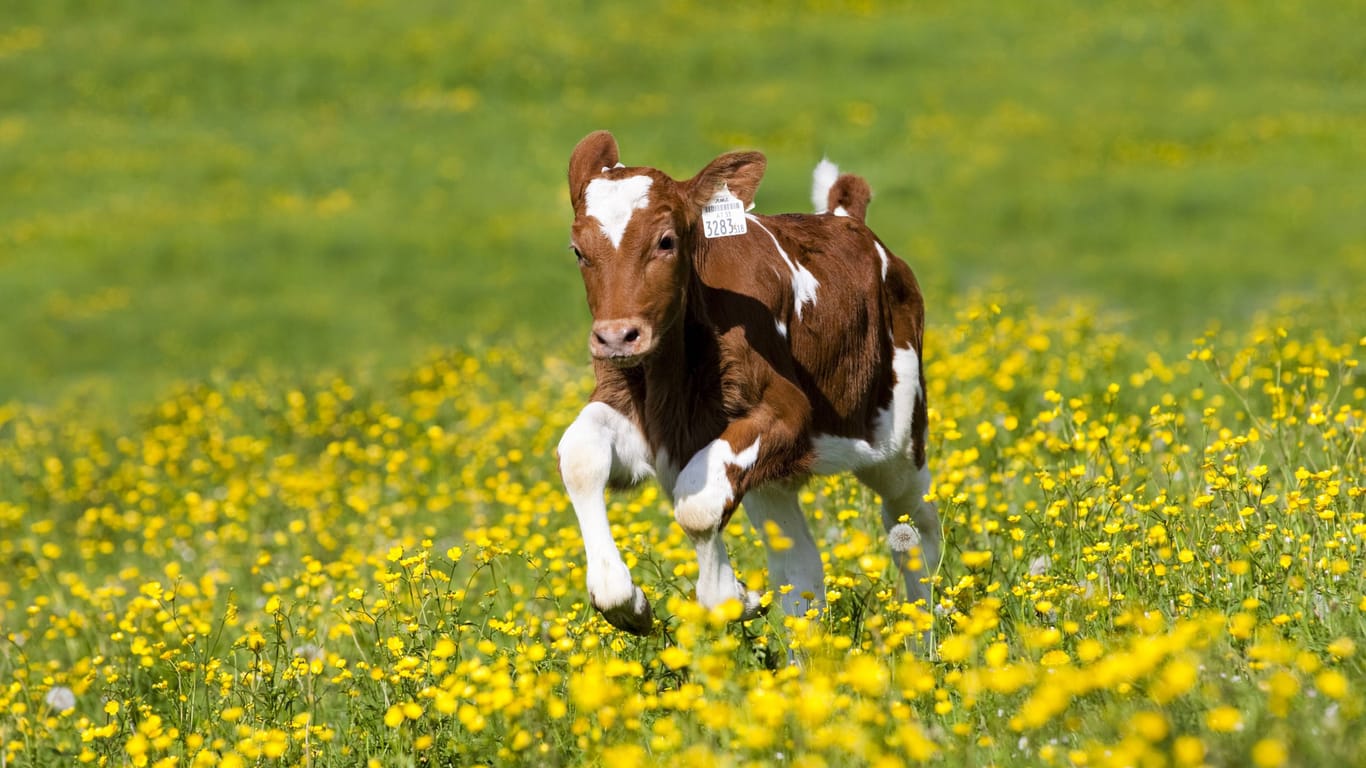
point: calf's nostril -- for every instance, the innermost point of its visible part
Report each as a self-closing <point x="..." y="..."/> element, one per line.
<point x="631" y="335"/>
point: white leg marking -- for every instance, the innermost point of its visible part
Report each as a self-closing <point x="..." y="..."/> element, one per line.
<point x="600" y="444"/>
<point x="715" y="577"/>
<point x="701" y="495"/>
<point x="822" y="179"/>
<point x="804" y="284"/>
<point x="613" y="201"/>
<point x="703" y="488"/>
<point x="795" y="571"/>
<point x="716" y="582"/>
<point x="840" y="454"/>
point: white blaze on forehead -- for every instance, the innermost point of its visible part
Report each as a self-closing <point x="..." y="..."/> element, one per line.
<point x="804" y="284"/>
<point x="612" y="201"/>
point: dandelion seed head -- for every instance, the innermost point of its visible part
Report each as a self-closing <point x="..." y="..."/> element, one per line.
<point x="1040" y="565"/>
<point x="903" y="538"/>
<point x="60" y="698"/>
<point x="309" y="652"/>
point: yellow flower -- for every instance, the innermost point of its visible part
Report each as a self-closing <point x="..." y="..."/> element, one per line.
<point x="1188" y="751"/>
<point x="866" y="675"/>
<point x="996" y="654"/>
<point x="976" y="560"/>
<point x="956" y="648"/>
<point x="624" y="754"/>
<point x="1089" y="650"/>
<point x="276" y="742"/>
<point x="1152" y="726"/>
<point x="674" y="657"/>
<point x="444" y="648"/>
<point x="1269" y="753"/>
<point x="1332" y="684"/>
<point x="1055" y="658"/>
<point x="1224" y="719"/>
<point x="1176" y="678"/>
<point x="1342" y="648"/>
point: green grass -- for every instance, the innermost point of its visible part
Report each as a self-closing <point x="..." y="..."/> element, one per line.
<point x="349" y="184"/>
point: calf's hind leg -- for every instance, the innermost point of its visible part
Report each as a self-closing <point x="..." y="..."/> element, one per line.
<point x="795" y="571"/>
<point x="917" y="551"/>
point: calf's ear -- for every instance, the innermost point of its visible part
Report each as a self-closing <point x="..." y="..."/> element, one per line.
<point x="740" y="172"/>
<point x="596" y="151"/>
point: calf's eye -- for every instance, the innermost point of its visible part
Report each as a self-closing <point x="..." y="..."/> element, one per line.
<point x="666" y="243"/>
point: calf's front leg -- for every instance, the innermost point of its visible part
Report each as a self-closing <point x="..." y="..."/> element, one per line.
<point x="603" y="445"/>
<point x="708" y="490"/>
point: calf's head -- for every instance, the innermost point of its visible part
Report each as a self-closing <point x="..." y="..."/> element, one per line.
<point x="635" y="234"/>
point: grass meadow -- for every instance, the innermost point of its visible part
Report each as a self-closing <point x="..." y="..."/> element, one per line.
<point x="290" y="330"/>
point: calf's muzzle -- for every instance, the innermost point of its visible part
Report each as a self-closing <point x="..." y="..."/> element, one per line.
<point x="620" y="341"/>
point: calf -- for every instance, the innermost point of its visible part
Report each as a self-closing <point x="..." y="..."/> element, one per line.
<point x="736" y="355"/>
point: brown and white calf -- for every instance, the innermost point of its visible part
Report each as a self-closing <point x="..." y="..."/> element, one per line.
<point x="735" y="356"/>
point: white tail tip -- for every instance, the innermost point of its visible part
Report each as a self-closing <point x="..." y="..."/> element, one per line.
<point x="822" y="179"/>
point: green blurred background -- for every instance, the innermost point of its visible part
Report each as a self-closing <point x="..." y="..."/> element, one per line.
<point x="186" y="187"/>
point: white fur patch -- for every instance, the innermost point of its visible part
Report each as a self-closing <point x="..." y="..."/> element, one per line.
<point x="892" y="429"/>
<point x="882" y="254"/>
<point x="600" y="444"/>
<point x="804" y="284"/>
<point x="716" y="583"/>
<point x="703" y="488"/>
<point x="841" y="454"/>
<point x="782" y="328"/>
<point x="896" y="424"/>
<point x="602" y="439"/>
<point x="613" y="201"/>
<point x="822" y="179"/>
<point x="839" y="211"/>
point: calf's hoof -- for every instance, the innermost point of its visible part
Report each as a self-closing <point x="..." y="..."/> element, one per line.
<point x="634" y="615"/>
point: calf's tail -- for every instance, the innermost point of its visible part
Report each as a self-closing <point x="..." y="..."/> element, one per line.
<point x="841" y="194"/>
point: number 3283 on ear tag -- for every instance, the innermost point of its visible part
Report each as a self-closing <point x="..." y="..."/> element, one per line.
<point x="723" y="216"/>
